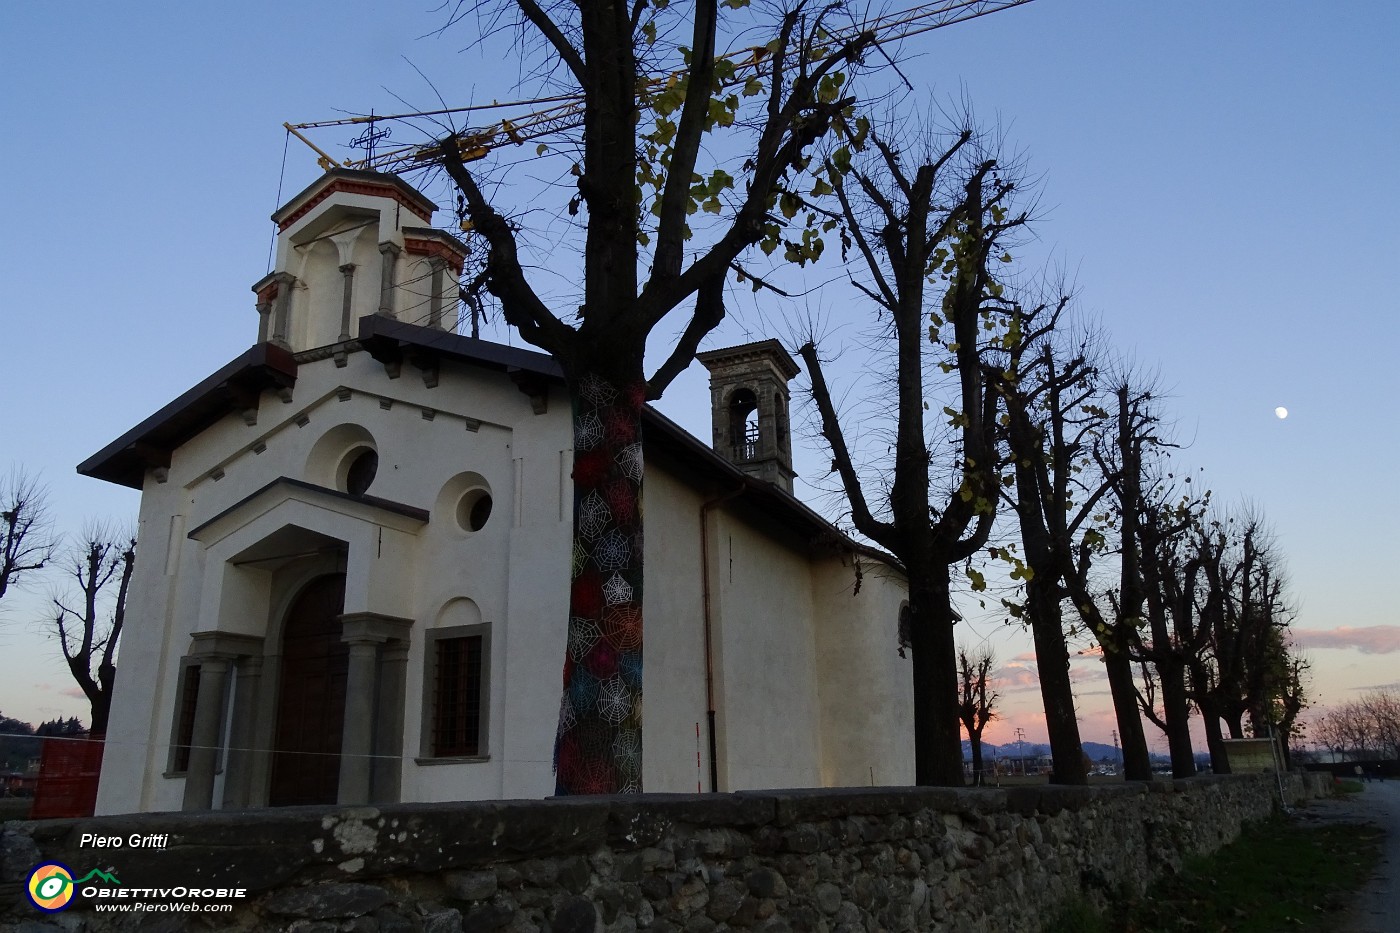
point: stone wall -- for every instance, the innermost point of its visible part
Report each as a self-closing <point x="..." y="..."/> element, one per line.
<point x="972" y="861"/>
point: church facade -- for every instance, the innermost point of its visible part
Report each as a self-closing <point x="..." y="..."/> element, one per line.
<point x="355" y="544"/>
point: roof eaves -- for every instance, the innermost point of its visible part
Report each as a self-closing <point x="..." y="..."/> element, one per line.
<point x="237" y="385"/>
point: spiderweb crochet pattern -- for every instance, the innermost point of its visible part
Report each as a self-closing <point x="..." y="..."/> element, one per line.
<point x="598" y="749"/>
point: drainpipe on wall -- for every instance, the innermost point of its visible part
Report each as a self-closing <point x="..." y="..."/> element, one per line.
<point x="709" y="652"/>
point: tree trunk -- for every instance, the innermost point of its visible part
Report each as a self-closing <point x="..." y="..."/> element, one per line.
<point x="1137" y="764"/>
<point x="1177" y="711"/>
<point x="1235" y="724"/>
<point x="598" y="749"/>
<point x="101" y="707"/>
<point x="974" y="739"/>
<point x="1215" y="740"/>
<point x="937" y="729"/>
<point x="1056" y="691"/>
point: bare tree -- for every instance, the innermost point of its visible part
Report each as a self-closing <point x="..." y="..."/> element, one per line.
<point x="1367" y="727"/>
<point x="1327" y="733"/>
<point x="26" y="543"/>
<point x="640" y="184"/>
<point x="1121" y="460"/>
<point x="1293" y="697"/>
<point x="976" y="701"/>
<point x="1382" y="710"/>
<point x="1172" y="547"/>
<point x="919" y="262"/>
<point x="89" y="616"/>
<point x="1249" y="645"/>
<point x="1240" y="671"/>
<point x="1050" y="421"/>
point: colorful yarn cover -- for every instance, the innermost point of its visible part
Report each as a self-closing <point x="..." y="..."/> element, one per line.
<point x="598" y="749"/>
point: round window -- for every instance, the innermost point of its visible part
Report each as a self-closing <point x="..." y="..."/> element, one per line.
<point x="474" y="510"/>
<point x="364" y="463"/>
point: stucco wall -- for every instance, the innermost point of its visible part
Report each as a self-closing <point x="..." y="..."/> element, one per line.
<point x="215" y="555"/>
<point x="400" y="568"/>
<point x="888" y="859"/>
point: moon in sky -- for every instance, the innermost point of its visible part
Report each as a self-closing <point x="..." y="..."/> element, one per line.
<point x="1281" y="412"/>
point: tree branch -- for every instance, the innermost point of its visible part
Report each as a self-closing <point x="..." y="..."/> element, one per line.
<point x="565" y="50"/>
<point x="865" y="522"/>
<point x="695" y="111"/>
<point x="522" y="308"/>
<point x="709" y="311"/>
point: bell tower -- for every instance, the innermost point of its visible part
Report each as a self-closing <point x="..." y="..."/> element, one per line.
<point x="749" y="408"/>
<point x="356" y="243"/>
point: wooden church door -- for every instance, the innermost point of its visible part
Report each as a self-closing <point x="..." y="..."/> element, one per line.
<point x="311" y="697"/>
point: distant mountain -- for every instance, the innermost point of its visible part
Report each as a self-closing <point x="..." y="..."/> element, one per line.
<point x="1096" y="751"/>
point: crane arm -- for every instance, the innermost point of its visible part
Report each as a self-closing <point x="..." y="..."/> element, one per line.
<point x="551" y="116"/>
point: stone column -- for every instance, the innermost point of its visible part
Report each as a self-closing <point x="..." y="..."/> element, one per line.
<point x="438" y="265"/>
<point x="347" y="295"/>
<point x="357" y="739"/>
<point x="282" y="312"/>
<point x="388" y="731"/>
<point x="238" y="774"/>
<point x="264" y="320"/>
<point x="204" y="743"/>
<point x="390" y="253"/>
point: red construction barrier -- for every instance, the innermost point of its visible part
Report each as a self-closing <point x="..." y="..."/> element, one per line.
<point x="68" y="772"/>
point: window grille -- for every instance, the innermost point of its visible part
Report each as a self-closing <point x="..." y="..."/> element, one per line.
<point x="457" y="697"/>
<point x="184" y="729"/>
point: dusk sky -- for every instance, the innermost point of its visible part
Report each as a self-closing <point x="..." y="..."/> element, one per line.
<point x="1219" y="179"/>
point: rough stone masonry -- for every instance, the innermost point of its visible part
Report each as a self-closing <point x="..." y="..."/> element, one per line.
<point x="972" y="861"/>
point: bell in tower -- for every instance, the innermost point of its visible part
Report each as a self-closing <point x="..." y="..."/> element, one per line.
<point x="749" y="408"/>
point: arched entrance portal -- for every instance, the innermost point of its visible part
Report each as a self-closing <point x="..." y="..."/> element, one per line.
<point x="311" y="697"/>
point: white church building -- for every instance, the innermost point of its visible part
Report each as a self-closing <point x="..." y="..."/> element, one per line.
<point x="355" y="541"/>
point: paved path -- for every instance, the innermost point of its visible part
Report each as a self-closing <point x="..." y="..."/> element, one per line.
<point x="1377" y="908"/>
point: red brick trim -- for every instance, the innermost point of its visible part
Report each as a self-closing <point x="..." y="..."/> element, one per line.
<point x="421" y="247"/>
<point x="355" y="187"/>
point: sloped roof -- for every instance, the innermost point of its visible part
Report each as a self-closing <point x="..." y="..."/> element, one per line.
<point x="150" y="443"/>
<point x="235" y="386"/>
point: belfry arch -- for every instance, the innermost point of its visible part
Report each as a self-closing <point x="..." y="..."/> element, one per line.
<point x="749" y="408"/>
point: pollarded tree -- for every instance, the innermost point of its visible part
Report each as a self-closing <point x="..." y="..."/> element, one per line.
<point x="926" y="233"/>
<point x="25" y="540"/>
<point x="640" y="187"/>
<point x="976" y="702"/>
<point x="1294" y="696"/>
<point x="1048" y="390"/>
<point x="1173" y="545"/>
<point x="1122" y="459"/>
<point x="89" y="615"/>
<point x="1251" y="644"/>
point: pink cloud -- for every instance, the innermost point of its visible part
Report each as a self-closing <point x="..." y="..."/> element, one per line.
<point x="1016" y="677"/>
<point x="1373" y="639"/>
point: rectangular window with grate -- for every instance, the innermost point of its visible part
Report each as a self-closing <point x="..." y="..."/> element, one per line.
<point x="457" y="696"/>
<point x="188" y="694"/>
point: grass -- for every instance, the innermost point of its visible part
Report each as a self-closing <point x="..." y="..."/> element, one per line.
<point x="1279" y="875"/>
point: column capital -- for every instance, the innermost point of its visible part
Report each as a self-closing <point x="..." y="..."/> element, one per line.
<point x="226" y="645"/>
<point x="389" y="251"/>
<point x="373" y="627"/>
